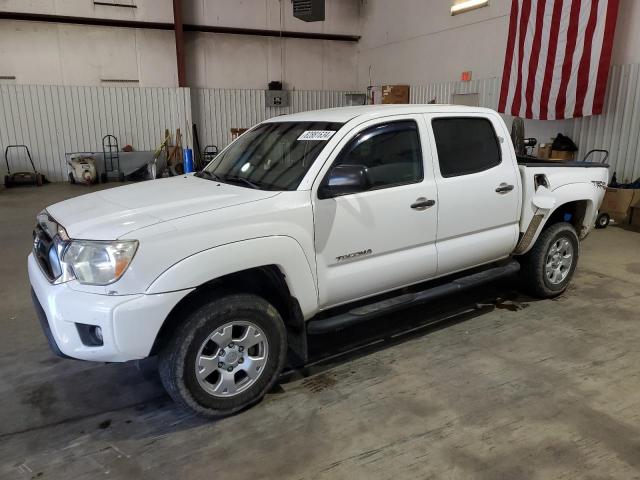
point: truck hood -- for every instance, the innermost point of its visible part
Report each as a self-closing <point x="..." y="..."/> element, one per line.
<point x="110" y="214"/>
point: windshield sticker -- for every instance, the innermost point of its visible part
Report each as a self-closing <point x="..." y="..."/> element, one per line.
<point x="322" y="135"/>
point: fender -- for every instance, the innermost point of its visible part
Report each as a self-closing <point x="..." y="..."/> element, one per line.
<point x="544" y="199"/>
<point x="282" y="251"/>
<point x="588" y="192"/>
<point x="547" y="202"/>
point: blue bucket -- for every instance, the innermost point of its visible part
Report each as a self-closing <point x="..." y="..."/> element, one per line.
<point x="188" y="160"/>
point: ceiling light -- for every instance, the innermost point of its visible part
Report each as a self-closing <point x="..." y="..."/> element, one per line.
<point x="468" y="5"/>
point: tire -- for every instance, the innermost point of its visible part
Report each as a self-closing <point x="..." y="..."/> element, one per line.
<point x="603" y="220"/>
<point x="121" y="177"/>
<point x="194" y="339"/>
<point x="72" y="180"/>
<point x="537" y="263"/>
<point x="104" y="178"/>
<point x="7" y="181"/>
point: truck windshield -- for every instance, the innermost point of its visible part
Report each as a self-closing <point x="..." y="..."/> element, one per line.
<point x="272" y="156"/>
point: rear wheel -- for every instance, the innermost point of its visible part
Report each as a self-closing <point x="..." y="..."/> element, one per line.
<point x="549" y="266"/>
<point x="225" y="356"/>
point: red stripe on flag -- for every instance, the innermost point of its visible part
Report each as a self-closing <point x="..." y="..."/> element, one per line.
<point x="551" y="59"/>
<point x="605" y="56"/>
<point x="585" y="62"/>
<point x="508" y="56"/>
<point x="570" y="50"/>
<point x="522" y="33"/>
<point x="535" y="57"/>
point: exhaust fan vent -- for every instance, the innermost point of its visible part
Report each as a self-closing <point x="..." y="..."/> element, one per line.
<point x="309" y="10"/>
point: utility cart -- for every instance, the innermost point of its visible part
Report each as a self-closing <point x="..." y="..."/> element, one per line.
<point x="111" y="152"/>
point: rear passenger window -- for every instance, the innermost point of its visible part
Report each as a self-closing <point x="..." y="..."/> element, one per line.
<point x="465" y="145"/>
<point x="391" y="152"/>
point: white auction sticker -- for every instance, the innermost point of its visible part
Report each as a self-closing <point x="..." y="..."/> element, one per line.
<point x="322" y="135"/>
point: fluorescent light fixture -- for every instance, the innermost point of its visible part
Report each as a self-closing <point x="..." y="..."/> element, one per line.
<point x="468" y="5"/>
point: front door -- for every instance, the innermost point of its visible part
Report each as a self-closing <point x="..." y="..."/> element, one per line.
<point x="384" y="237"/>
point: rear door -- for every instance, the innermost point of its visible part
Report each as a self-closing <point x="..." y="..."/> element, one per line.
<point x="380" y="239"/>
<point x="478" y="190"/>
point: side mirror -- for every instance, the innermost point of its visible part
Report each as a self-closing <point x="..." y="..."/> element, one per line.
<point x="343" y="180"/>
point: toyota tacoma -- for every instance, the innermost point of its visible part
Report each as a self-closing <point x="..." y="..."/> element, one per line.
<point x="306" y="223"/>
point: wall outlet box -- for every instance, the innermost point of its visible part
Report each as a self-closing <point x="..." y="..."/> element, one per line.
<point x="277" y="98"/>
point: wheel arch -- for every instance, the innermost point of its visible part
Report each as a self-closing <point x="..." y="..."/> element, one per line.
<point x="266" y="281"/>
<point x="575" y="205"/>
<point x="574" y="212"/>
<point x="274" y="268"/>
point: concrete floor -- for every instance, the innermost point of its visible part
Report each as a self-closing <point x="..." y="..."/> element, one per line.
<point x="492" y="385"/>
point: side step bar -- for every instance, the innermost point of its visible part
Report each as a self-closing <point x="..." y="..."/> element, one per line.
<point x="383" y="307"/>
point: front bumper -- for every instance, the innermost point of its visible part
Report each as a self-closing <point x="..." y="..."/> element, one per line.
<point x="129" y="323"/>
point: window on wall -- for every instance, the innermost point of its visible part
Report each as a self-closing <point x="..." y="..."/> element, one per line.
<point x="390" y="152"/>
<point x="465" y="145"/>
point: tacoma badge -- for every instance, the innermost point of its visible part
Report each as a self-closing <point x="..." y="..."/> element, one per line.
<point x="354" y="255"/>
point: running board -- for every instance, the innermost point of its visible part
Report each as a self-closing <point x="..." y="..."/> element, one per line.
<point x="366" y="312"/>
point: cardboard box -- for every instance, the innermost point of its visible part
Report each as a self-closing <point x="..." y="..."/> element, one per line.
<point x="395" y="94"/>
<point x="562" y="156"/>
<point x="635" y="216"/>
<point x="618" y="201"/>
<point x="544" y="151"/>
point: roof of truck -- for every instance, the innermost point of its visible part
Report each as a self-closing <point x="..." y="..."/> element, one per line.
<point x="344" y="114"/>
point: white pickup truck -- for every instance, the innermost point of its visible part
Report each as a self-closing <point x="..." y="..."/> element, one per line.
<point x="306" y="223"/>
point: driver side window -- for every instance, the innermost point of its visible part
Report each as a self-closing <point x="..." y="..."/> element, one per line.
<point x="390" y="153"/>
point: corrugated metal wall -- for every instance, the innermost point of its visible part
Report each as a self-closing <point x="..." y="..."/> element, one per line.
<point x="617" y="130"/>
<point x="53" y="120"/>
<point x="216" y="111"/>
<point x="488" y="91"/>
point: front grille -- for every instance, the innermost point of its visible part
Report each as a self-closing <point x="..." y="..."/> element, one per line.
<point x="44" y="250"/>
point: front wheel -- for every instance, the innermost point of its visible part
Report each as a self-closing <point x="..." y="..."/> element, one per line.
<point x="225" y="356"/>
<point x="549" y="266"/>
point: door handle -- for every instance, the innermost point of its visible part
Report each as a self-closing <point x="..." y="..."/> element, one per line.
<point x="504" y="188"/>
<point x="422" y="203"/>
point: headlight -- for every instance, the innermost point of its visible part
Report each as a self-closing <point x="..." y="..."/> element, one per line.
<point x="99" y="263"/>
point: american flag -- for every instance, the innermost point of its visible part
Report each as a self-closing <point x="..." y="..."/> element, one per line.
<point x="557" y="58"/>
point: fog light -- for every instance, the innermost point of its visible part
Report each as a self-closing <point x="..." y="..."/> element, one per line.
<point x="90" y="335"/>
<point x="97" y="332"/>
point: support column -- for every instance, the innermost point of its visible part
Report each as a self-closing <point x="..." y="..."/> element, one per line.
<point x="179" y="33"/>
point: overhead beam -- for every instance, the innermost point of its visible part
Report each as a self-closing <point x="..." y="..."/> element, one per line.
<point x="109" y="22"/>
<point x="177" y="27"/>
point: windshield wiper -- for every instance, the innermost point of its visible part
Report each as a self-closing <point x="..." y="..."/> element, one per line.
<point x="249" y="183"/>
<point x="209" y="175"/>
<point x="227" y="178"/>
